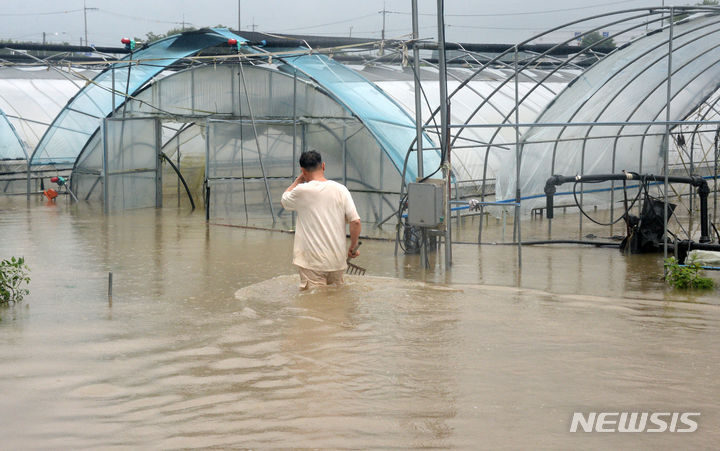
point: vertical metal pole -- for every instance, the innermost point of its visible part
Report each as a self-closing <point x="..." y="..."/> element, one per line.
<point x="106" y="196"/>
<point x="242" y="151"/>
<point x="444" y="141"/>
<point x="112" y="72"/>
<point x="716" y="151"/>
<point x="158" y="165"/>
<point x="448" y="182"/>
<point x="239" y="22"/>
<point x="582" y="190"/>
<point x="457" y="198"/>
<point x="382" y="38"/>
<point x="208" y="134"/>
<point x="549" y="235"/>
<point x="257" y="143"/>
<point x="418" y="119"/>
<point x="207" y="201"/>
<point x="192" y="92"/>
<point x="177" y="155"/>
<point x="121" y="155"/>
<point x="692" y="172"/>
<point x="158" y="97"/>
<point x="28" y="180"/>
<point x="667" y="132"/>
<point x="85" y="17"/>
<point x="235" y="97"/>
<point x="504" y="222"/>
<point x="344" y="154"/>
<point x="518" y="159"/>
<point x="294" y="142"/>
<point x="418" y="99"/>
<point x="381" y="178"/>
<point x="480" y="227"/>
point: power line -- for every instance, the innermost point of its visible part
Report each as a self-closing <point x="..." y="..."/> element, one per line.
<point x="68" y="11"/>
<point x="332" y="23"/>
<point x="144" y="19"/>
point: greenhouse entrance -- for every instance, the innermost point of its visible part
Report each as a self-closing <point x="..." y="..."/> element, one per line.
<point x="131" y="167"/>
<point x="249" y="163"/>
<point x="125" y="170"/>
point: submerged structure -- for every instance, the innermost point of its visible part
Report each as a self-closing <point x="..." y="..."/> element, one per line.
<point x="219" y="117"/>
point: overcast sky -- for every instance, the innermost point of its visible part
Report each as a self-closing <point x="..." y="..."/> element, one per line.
<point x="478" y="21"/>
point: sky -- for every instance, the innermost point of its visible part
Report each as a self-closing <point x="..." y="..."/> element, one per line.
<point x="468" y="21"/>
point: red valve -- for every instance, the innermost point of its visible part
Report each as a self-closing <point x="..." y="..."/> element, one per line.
<point x="125" y="40"/>
<point x="232" y="41"/>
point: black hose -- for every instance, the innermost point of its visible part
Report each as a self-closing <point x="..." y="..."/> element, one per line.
<point x="532" y="243"/>
<point x="182" y="179"/>
<point x="582" y="210"/>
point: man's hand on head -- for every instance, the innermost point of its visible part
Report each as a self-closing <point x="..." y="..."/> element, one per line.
<point x="298" y="180"/>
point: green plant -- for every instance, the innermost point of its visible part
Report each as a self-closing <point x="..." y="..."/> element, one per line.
<point x="13" y="273"/>
<point x="685" y="276"/>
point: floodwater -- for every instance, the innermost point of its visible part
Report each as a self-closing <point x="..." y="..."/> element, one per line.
<point x="206" y="342"/>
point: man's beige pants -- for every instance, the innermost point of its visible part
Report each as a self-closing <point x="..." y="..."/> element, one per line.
<point x="310" y="278"/>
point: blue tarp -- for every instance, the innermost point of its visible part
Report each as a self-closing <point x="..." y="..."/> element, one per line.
<point x="391" y="125"/>
<point x="83" y="115"/>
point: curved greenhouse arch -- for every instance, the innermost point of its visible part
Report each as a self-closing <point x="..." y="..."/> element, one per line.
<point x="628" y="87"/>
<point x="589" y="67"/>
<point x="280" y="102"/>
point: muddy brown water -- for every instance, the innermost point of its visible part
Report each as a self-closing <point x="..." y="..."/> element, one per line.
<point x="207" y="342"/>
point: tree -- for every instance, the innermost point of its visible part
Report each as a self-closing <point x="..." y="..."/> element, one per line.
<point x="679" y="17"/>
<point x="594" y="37"/>
<point x="152" y="37"/>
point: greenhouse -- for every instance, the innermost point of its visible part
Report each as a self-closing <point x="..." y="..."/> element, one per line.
<point x="531" y="235"/>
<point x="217" y="118"/>
<point x="251" y="121"/>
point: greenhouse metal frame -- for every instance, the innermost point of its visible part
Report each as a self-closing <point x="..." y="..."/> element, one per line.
<point x="514" y="115"/>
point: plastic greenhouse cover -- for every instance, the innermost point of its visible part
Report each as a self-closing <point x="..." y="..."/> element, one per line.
<point x="483" y="100"/>
<point x="11" y="147"/>
<point x="31" y="104"/>
<point x="628" y="85"/>
<point x="84" y="113"/>
<point x="218" y="99"/>
<point x="392" y="126"/>
<point x="468" y="163"/>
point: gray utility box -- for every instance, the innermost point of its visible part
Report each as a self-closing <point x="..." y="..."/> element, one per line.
<point x="425" y="204"/>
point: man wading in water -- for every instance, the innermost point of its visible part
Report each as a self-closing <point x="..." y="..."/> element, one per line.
<point x="323" y="208"/>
